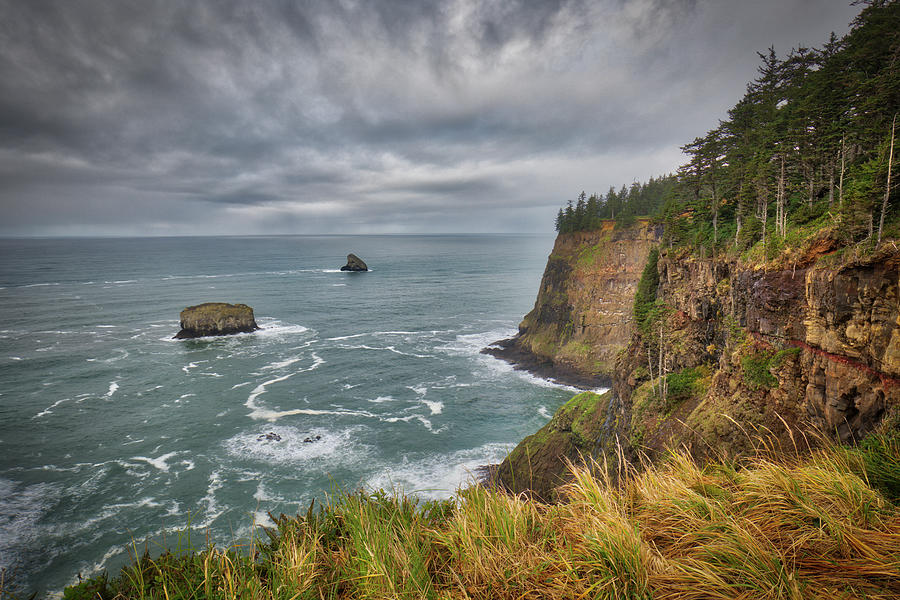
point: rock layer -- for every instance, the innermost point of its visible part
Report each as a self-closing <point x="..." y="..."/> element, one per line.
<point x="777" y="349"/>
<point x="583" y="312"/>
<point x="216" y="318"/>
<point x="354" y="263"/>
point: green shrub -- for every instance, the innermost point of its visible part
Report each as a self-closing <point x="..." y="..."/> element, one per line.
<point x="756" y="370"/>
<point x="645" y="296"/>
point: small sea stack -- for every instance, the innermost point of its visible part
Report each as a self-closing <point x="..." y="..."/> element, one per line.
<point x="354" y="263"/>
<point x="216" y="318"/>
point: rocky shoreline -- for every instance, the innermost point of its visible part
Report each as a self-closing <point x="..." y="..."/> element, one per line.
<point x="522" y="359"/>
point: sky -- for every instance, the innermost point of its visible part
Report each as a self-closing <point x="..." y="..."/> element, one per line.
<point x="226" y="117"/>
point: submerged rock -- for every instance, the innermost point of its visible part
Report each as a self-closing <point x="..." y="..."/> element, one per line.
<point x="354" y="263"/>
<point x="216" y="318"/>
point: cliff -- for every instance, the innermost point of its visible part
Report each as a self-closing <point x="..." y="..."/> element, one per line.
<point x="582" y="316"/>
<point x="794" y="350"/>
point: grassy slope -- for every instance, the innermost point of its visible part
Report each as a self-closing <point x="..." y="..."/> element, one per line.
<point x="823" y="526"/>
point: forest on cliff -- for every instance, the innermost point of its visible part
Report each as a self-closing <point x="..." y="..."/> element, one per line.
<point x="811" y="145"/>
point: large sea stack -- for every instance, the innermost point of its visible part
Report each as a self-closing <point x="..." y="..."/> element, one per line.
<point x="216" y="318"/>
<point x="354" y="263"/>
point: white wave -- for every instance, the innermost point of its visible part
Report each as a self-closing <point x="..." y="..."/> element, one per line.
<point x="191" y="365"/>
<point x="409" y="418"/>
<point x="438" y="476"/>
<point x="261" y="519"/>
<point x="189" y="395"/>
<point x="273" y="327"/>
<point x="34" y="285"/>
<point x="113" y="386"/>
<point x="15" y="358"/>
<point x="376" y="334"/>
<point x="338" y="285"/>
<point x="388" y="349"/>
<point x="21" y="509"/>
<point x="435" y="406"/>
<point x="421" y="390"/>
<point x="382" y="399"/>
<point x="124" y="354"/>
<point x="290" y="447"/>
<point x="471" y="344"/>
<point x="496" y="367"/>
<point x="159" y="462"/>
<point x="50" y="408"/>
<point x="212" y="508"/>
<point x="100" y="565"/>
<point x="283" y="363"/>
<point x="106" y="326"/>
<point x="240" y="385"/>
<point x="542" y="410"/>
<point x="331" y="271"/>
<point x="260" y="413"/>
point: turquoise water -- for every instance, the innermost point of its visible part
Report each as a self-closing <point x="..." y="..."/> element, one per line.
<point x="111" y="431"/>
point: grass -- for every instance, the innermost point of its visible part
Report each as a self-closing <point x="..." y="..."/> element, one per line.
<point x="775" y="526"/>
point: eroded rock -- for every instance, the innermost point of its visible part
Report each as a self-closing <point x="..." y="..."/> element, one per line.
<point x="354" y="263"/>
<point x="216" y="318"/>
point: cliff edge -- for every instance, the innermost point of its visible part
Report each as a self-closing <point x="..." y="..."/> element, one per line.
<point x="582" y="316"/>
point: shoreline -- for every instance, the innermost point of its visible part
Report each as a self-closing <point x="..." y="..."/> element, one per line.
<point x="523" y="360"/>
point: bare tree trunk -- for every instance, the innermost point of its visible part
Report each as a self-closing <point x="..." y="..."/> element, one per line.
<point x="887" y="187"/>
<point x="662" y="377"/>
<point x="762" y="207"/>
<point x="841" y="180"/>
<point x="831" y="182"/>
<point x="780" y="220"/>
<point x="740" y="210"/>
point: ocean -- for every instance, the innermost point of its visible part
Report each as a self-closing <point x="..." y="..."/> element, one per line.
<point x="112" y="433"/>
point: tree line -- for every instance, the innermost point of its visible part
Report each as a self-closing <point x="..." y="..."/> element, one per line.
<point x="638" y="200"/>
<point x="810" y="145"/>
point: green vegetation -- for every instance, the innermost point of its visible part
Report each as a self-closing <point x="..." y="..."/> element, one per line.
<point x="765" y="528"/>
<point x="808" y="148"/>
<point x="645" y="295"/>
<point x="686" y="383"/>
<point x="755" y="367"/>
<point x="624" y="206"/>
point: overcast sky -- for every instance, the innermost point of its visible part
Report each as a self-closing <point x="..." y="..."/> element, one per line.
<point x="225" y="117"/>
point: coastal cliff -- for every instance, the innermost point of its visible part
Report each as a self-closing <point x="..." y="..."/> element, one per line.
<point x="582" y="316"/>
<point x="802" y="347"/>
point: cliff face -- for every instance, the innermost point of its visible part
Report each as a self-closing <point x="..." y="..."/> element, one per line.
<point x="782" y="349"/>
<point x="582" y="315"/>
<point x="808" y="347"/>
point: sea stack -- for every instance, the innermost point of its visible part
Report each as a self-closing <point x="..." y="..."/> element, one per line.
<point x="354" y="263"/>
<point x="216" y="318"/>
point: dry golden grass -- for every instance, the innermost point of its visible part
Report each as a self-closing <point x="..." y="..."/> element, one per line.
<point x="768" y="528"/>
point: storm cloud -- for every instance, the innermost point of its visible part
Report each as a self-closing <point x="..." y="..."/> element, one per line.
<point x="276" y="116"/>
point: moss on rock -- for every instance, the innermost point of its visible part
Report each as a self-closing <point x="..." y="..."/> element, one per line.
<point x="216" y="318"/>
<point x="537" y="466"/>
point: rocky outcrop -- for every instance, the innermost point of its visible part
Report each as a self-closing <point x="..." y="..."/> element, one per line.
<point x="793" y="351"/>
<point x="583" y="312"/>
<point x="539" y="464"/>
<point x="354" y="263"/>
<point x="216" y="318"/>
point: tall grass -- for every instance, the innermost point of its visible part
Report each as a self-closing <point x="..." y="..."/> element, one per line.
<point x="773" y="527"/>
